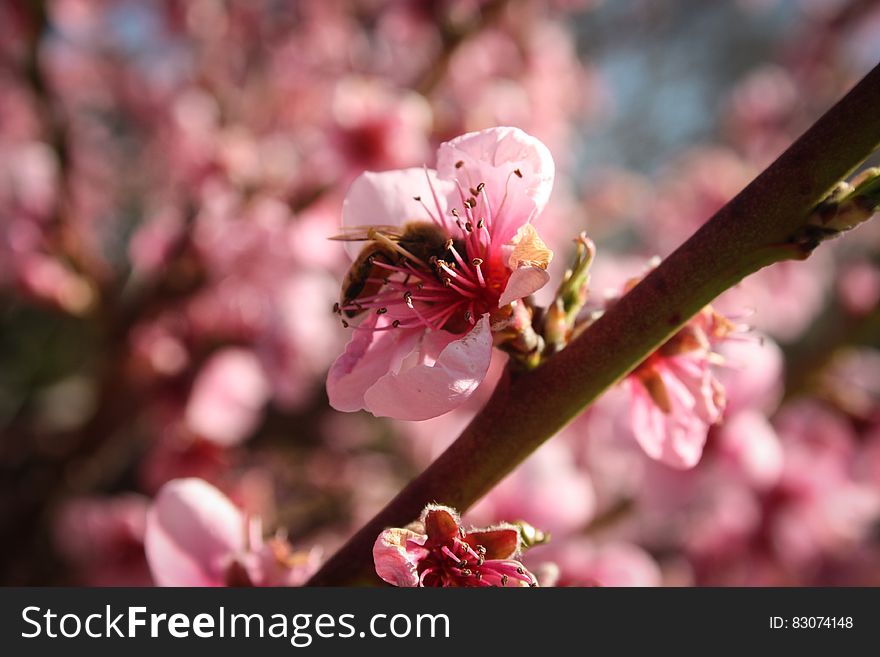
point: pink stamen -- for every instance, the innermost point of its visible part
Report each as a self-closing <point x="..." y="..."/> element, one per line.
<point x="486" y="207"/>
<point x="479" y="271"/>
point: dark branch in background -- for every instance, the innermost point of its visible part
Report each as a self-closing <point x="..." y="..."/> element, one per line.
<point x="766" y="223"/>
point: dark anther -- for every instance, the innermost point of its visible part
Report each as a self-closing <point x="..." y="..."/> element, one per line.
<point x="455" y="213"/>
<point x="459" y="164"/>
<point x="480" y="187"/>
<point x="517" y="173"/>
<point x="520" y="570"/>
<point x="504" y="579"/>
<point x="395" y="323"/>
<point x="336" y="310"/>
<point x="480" y="224"/>
<point x="417" y="198"/>
<point x="344" y="324"/>
<point x="467" y="315"/>
<point x="469" y="226"/>
<point x="381" y="311"/>
<point x="471" y="203"/>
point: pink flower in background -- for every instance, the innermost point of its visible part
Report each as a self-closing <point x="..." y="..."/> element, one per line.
<point x="752" y="373"/>
<point x="195" y="536"/>
<point x="437" y="551"/>
<point x="378" y="126"/>
<point x="748" y="442"/>
<point x="675" y="397"/>
<point x="859" y="287"/>
<point x="104" y="539"/>
<point x="548" y="489"/>
<point x="433" y="302"/>
<point x="228" y="397"/>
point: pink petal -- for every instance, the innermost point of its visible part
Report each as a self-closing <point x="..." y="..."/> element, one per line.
<point x="523" y="282"/>
<point x="491" y="156"/>
<point x="367" y="358"/>
<point x="695" y="374"/>
<point x="394" y="563"/>
<point x="675" y="438"/>
<point x="388" y="199"/>
<point x="426" y="390"/>
<point x="193" y="531"/>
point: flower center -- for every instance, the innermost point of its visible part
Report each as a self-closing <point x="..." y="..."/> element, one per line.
<point x="459" y="564"/>
<point x="441" y="274"/>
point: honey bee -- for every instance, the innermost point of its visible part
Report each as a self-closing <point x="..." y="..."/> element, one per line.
<point x="422" y="243"/>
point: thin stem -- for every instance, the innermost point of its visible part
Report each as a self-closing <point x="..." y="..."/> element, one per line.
<point x="763" y="224"/>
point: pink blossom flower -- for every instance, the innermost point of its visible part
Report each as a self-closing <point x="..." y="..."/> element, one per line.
<point x="437" y="551"/>
<point x="227" y="400"/>
<point x="675" y="396"/>
<point x="378" y="126"/>
<point x="426" y="342"/>
<point x="195" y="536"/>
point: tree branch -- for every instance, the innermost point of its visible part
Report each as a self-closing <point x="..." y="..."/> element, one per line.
<point x="765" y="223"/>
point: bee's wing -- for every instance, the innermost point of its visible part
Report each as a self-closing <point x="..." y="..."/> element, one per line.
<point x="365" y="233"/>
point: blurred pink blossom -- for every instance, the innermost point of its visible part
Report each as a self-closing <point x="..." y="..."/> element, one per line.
<point x="228" y="396"/>
<point x="675" y="395"/>
<point x="195" y="536"/>
<point x="750" y="444"/>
